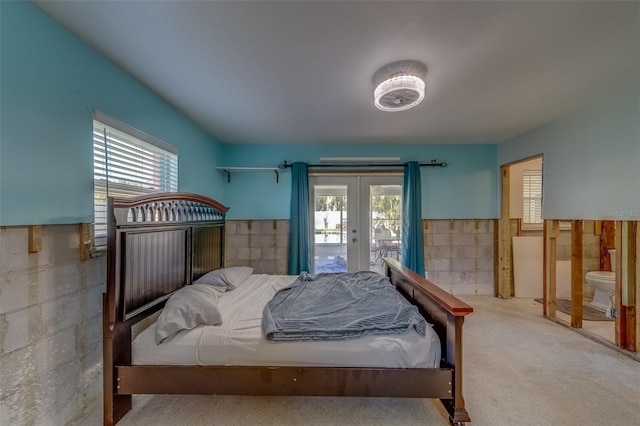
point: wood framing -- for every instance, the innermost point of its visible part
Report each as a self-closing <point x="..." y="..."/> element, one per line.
<point x="577" y="276"/>
<point x="496" y="257"/>
<point x="606" y="230"/>
<point x="35" y="238"/>
<point x="631" y="308"/>
<point x="637" y="275"/>
<point x="620" y="326"/>
<point x="86" y="235"/>
<point x="626" y="282"/>
<point x="551" y="231"/>
<point x="504" y="243"/>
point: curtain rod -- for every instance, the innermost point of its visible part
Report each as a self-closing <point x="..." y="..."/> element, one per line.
<point x="433" y="163"/>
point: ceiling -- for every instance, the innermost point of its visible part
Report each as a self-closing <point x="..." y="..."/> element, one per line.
<point x="300" y="71"/>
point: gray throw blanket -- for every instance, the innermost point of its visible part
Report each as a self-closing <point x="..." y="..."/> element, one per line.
<point x="339" y="306"/>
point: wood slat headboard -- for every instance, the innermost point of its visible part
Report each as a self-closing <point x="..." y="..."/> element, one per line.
<point x="164" y="241"/>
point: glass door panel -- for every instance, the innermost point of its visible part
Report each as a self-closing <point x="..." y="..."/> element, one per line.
<point x="331" y="210"/>
<point x="382" y="196"/>
<point x="356" y="220"/>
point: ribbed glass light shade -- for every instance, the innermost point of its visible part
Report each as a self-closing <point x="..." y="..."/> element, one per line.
<point x="399" y="93"/>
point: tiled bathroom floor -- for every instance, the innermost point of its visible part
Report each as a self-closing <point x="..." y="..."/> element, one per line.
<point x="603" y="329"/>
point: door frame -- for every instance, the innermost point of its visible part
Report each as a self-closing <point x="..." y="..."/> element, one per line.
<point x="360" y="250"/>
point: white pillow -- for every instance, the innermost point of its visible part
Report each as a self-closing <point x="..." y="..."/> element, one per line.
<point x="226" y="277"/>
<point x="188" y="307"/>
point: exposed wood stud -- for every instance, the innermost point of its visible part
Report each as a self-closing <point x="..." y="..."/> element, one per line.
<point x="607" y="241"/>
<point x="35" y="238"/>
<point x="630" y="308"/>
<point x="545" y="266"/>
<point x="555" y="233"/>
<point x="636" y="262"/>
<point x="249" y="224"/>
<point x="628" y="281"/>
<point x="505" y="288"/>
<point x="576" y="273"/>
<point x="275" y="224"/>
<point x="597" y="227"/>
<point x="625" y="294"/>
<point x="496" y="258"/>
<point x="620" y="329"/>
<point x="477" y="223"/>
<point x="551" y="231"/>
<point x="452" y="224"/>
<point x="426" y="224"/>
<point x="86" y="235"/>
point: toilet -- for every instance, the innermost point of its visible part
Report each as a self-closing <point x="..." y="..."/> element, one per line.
<point x="604" y="283"/>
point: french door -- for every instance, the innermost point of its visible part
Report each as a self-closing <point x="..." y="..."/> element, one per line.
<point x="355" y="221"/>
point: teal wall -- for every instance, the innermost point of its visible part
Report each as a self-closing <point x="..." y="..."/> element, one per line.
<point x="465" y="189"/>
<point x="50" y="84"/>
<point x="591" y="160"/>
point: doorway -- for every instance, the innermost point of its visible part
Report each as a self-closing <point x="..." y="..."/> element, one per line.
<point x="356" y="220"/>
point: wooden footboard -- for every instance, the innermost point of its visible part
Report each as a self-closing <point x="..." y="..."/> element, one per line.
<point x="446" y="313"/>
<point x="182" y="236"/>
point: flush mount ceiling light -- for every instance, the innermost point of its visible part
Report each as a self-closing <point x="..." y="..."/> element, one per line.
<point x="399" y="85"/>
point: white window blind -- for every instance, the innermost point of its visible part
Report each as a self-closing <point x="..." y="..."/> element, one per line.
<point x="532" y="197"/>
<point x="127" y="162"/>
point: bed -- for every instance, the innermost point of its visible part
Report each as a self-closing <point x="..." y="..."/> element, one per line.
<point x="160" y="243"/>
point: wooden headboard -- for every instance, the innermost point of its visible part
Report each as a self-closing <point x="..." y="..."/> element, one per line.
<point x="164" y="241"/>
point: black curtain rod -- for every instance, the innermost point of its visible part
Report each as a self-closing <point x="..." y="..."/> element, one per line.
<point x="433" y="163"/>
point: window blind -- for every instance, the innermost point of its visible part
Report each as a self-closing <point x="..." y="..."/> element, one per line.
<point x="532" y="197"/>
<point x="127" y="162"/>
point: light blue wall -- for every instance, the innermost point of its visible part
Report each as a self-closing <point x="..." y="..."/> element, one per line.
<point x="591" y="164"/>
<point x="466" y="189"/>
<point x="51" y="82"/>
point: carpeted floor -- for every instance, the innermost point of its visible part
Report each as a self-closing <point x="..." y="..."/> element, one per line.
<point x="588" y="313"/>
<point x="520" y="369"/>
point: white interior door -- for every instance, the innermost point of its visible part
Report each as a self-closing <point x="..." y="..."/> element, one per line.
<point x="345" y="210"/>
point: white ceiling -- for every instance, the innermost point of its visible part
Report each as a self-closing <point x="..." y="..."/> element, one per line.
<point x="300" y="71"/>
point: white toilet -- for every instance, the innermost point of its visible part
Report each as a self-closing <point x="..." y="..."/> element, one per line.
<point x="604" y="283"/>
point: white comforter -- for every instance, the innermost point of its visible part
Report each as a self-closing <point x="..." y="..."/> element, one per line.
<point x="239" y="340"/>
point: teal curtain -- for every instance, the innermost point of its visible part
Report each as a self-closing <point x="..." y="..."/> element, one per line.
<point x="299" y="242"/>
<point x="412" y="248"/>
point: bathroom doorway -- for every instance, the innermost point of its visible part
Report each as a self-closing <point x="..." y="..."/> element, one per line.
<point x="559" y="253"/>
<point x="520" y="229"/>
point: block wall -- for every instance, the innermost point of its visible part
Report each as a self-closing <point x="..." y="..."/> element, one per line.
<point x="261" y="244"/>
<point x="460" y="260"/>
<point x="50" y="327"/>
<point x="459" y="257"/>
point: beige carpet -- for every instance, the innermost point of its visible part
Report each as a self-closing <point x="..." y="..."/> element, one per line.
<point x="520" y="369"/>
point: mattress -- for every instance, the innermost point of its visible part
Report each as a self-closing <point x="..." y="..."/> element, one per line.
<point x="239" y="340"/>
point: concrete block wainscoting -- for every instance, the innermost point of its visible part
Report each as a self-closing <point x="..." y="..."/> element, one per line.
<point x="459" y="257"/>
<point x="50" y="304"/>
<point x="260" y="244"/>
<point x="50" y="327"/>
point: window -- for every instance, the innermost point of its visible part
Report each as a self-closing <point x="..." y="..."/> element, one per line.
<point x="127" y="162"/>
<point x="532" y="198"/>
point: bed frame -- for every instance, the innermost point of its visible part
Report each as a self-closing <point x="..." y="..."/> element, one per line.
<point x="161" y="242"/>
